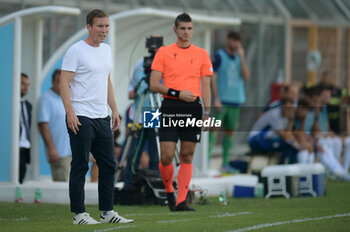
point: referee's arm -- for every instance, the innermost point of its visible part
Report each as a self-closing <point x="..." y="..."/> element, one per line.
<point x="206" y="97"/>
<point x="158" y="87"/>
<point x="155" y="84"/>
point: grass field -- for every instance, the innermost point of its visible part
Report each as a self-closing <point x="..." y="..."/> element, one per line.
<point x="277" y="214"/>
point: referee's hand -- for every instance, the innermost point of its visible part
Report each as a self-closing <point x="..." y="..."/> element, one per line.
<point x="187" y="96"/>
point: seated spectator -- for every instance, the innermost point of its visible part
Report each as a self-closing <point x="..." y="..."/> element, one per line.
<point x="306" y="142"/>
<point x="317" y="125"/>
<point x="273" y="132"/>
<point x="337" y="99"/>
<point x="290" y="91"/>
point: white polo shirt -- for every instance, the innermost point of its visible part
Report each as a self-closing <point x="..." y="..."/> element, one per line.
<point x="89" y="87"/>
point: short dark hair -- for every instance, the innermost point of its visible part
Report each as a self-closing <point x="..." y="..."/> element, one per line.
<point x="96" y="13"/>
<point x="303" y="103"/>
<point x="184" y="17"/>
<point x="24" y="75"/>
<point x="56" y="72"/>
<point x="312" y="91"/>
<point x="325" y="88"/>
<point x="234" y="35"/>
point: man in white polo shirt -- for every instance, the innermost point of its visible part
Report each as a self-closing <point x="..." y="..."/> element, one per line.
<point x="86" y="90"/>
<point x="52" y="127"/>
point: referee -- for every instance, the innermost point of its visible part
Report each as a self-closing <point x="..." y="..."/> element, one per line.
<point x="186" y="71"/>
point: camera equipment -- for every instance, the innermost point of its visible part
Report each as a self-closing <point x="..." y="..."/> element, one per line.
<point x="152" y="43"/>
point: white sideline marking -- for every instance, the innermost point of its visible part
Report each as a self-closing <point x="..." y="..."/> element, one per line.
<point x="155" y="214"/>
<point x="115" y="228"/>
<point x="144" y="214"/>
<point x="260" y="226"/>
<point x="230" y="214"/>
<point x="15" y="219"/>
<point x="180" y="220"/>
<point x="21" y="219"/>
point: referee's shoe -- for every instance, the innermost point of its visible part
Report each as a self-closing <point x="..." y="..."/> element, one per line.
<point x="171" y="201"/>
<point x="183" y="206"/>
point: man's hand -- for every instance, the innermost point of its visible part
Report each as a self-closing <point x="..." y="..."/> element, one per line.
<point x="115" y="120"/>
<point x="73" y="122"/>
<point x="205" y="117"/>
<point x="132" y="94"/>
<point x="187" y="96"/>
<point x="319" y="148"/>
<point x="331" y="134"/>
<point x="289" y="136"/>
<point x="217" y="104"/>
<point x="53" y="155"/>
<point x="317" y="111"/>
<point x="240" y="50"/>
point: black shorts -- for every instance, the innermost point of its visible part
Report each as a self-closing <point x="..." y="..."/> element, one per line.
<point x="179" y="121"/>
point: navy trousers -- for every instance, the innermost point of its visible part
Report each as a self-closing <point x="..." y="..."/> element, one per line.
<point x="260" y="144"/>
<point x="94" y="135"/>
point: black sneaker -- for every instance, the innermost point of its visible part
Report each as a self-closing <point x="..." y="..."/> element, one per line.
<point x="171" y="201"/>
<point x="184" y="207"/>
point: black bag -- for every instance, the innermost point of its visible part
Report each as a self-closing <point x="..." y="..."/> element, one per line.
<point x="148" y="189"/>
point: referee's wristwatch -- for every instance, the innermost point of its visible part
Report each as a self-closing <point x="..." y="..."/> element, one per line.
<point x="207" y="113"/>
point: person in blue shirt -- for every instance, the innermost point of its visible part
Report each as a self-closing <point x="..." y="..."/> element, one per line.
<point x="317" y="124"/>
<point x="230" y="73"/>
<point x="307" y="143"/>
<point x="52" y="126"/>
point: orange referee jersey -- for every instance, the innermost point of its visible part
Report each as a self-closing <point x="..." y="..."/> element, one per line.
<point x="182" y="68"/>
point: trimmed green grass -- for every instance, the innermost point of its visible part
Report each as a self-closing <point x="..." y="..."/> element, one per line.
<point x="239" y="213"/>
